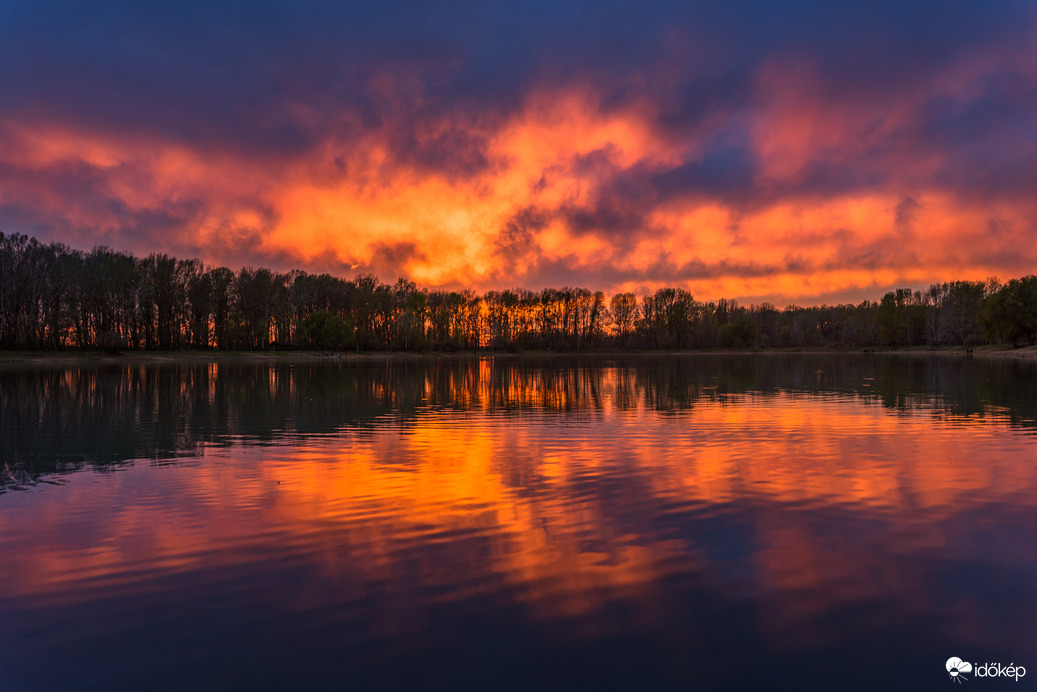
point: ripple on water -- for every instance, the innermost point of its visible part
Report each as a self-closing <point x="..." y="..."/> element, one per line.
<point x="642" y="523"/>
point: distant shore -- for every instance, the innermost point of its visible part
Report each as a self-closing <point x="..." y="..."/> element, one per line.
<point x="85" y="358"/>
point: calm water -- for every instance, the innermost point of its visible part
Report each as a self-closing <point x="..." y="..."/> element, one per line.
<point x="758" y="522"/>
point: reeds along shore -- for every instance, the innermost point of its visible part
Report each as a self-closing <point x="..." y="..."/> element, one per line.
<point x="54" y="298"/>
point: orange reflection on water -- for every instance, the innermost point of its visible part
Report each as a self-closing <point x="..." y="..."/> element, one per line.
<point x="567" y="510"/>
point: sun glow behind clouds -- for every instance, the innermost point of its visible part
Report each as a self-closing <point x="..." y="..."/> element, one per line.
<point x="440" y="230"/>
<point x="396" y="219"/>
<point x="784" y="171"/>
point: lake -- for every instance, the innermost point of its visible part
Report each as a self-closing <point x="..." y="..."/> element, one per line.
<point x="768" y="521"/>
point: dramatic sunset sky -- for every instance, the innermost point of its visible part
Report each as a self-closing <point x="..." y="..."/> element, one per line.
<point x="793" y="152"/>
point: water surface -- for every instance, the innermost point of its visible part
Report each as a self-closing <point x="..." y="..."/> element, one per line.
<point x="670" y="522"/>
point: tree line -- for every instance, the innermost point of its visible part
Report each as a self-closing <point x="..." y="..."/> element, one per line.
<point x="53" y="297"/>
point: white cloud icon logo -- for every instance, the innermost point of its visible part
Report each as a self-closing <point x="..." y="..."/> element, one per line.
<point x="956" y="666"/>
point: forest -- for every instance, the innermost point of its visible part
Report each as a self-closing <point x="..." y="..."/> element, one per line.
<point x="53" y="297"/>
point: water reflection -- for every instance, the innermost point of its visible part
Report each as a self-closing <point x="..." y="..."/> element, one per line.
<point x="741" y="523"/>
<point x="113" y="414"/>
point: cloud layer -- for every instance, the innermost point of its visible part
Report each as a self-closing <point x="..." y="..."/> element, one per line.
<point x="810" y="153"/>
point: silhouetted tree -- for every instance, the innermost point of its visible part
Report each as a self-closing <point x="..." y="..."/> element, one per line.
<point x="53" y="297"/>
<point x="1009" y="313"/>
<point x="891" y="317"/>
<point x="961" y="307"/>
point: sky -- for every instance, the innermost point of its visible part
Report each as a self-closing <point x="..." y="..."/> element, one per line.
<point x="790" y="152"/>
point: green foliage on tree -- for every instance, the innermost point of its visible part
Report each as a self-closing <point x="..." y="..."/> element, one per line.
<point x="327" y="332"/>
<point x="741" y="332"/>
<point x="891" y="318"/>
<point x="1009" y="314"/>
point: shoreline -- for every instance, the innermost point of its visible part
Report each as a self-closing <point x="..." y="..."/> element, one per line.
<point x="97" y="358"/>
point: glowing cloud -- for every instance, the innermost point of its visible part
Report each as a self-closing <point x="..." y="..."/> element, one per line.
<point x="489" y="151"/>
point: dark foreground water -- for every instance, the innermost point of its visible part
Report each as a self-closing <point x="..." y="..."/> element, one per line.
<point x="761" y="523"/>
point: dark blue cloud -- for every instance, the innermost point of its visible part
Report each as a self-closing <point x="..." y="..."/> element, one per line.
<point x="725" y="170"/>
<point x="232" y="72"/>
<point x="988" y="141"/>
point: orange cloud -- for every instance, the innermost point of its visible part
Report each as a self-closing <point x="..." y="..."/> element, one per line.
<point x="566" y="191"/>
